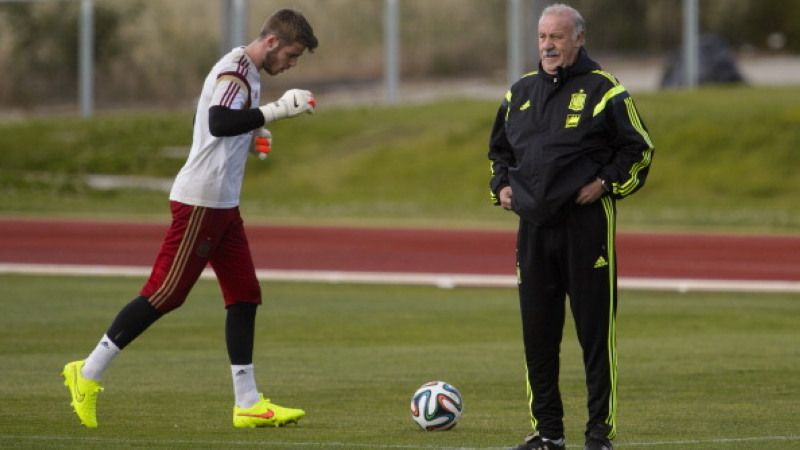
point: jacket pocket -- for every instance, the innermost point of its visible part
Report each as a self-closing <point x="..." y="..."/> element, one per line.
<point x="524" y="200"/>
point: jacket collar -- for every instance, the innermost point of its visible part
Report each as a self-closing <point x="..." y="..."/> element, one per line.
<point x="583" y="64"/>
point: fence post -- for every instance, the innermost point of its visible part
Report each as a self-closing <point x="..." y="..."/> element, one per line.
<point x="86" y="59"/>
<point x="391" y="50"/>
<point x="514" y="37"/>
<point x="233" y="23"/>
<point x="691" y="43"/>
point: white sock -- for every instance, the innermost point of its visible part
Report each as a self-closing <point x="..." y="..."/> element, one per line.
<point x="99" y="360"/>
<point x="244" y="385"/>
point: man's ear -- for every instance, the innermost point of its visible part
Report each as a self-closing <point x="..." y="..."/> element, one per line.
<point x="271" y="42"/>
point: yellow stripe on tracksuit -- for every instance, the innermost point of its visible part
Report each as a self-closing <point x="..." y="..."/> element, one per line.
<point x="632" y="183"/>
<point x="609" y="208"/>
<point x="529" y="391"/>
<point x="508" y="103"/>
<point x="601" y="105"/>
<point x="492" y="195"/>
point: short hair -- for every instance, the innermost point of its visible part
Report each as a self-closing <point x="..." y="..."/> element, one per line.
<point x="290" y="26"/>
<point x="579" y="25"/>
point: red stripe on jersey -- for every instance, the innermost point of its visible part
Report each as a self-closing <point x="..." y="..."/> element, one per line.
<point x="227" y="94"/>
<point x="233" y="91"/>
<point x="243" y="66"/>
<point x="238" y="75"/>
<point x="226" y="100"/>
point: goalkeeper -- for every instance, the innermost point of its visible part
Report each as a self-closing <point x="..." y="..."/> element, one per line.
<point x="206" y="224"/>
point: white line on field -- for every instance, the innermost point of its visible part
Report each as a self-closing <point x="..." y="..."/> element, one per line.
<point x="284" y="444"/>
<point x="442" y="280"/>
<point x="690" y="442"/>
<point x="231" y="443"/>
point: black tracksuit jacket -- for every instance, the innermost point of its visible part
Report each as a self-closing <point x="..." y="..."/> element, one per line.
<point x="555" y="133"/>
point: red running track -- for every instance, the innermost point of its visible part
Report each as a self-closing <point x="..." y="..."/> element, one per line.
<point x="689" y="256"/>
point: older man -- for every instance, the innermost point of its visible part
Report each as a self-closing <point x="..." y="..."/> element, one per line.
<point x="566" y="144"/>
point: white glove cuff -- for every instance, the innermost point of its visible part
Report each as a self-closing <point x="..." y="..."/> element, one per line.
<point x="274" y="111"/>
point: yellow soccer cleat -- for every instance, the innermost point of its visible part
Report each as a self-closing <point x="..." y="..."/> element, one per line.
<point x="265" y="414"/>
<point x="84" y="393"/>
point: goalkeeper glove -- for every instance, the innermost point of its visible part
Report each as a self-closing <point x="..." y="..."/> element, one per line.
<point x="292" y="103"/>
<point x="262" y="143"/>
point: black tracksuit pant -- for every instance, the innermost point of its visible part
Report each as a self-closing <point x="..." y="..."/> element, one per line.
<point x="574" y="257"/>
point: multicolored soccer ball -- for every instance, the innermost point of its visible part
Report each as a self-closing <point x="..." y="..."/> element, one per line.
<point x="436" y="406"/>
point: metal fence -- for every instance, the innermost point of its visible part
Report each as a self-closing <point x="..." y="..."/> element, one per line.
<point x="149" y="53"/>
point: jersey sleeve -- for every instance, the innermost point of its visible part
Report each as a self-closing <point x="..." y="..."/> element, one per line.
<point x="633" y="149"/>
<point x="501" y="156"/>
<point x="224" y="121"/>
<point x="230" y="112"/>
<point x="232" y="89"/>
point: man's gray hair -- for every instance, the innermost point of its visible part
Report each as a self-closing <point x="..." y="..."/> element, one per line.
<point x="579" y="25"/>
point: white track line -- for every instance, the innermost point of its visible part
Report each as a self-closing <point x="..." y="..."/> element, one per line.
<point x="286" y="444"/>
<point x="691" y="442"/>
<point x="442" y="280"/>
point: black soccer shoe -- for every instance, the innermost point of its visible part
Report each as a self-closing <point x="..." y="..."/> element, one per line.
<point x="593" y="443"/>
<point x="534" y="441"/>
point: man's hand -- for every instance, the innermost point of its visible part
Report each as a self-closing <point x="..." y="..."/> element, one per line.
<point x="504" y="196"/>
<point x="591" y="192"/>
<point x="292" y="103"/>
<point x="262" y="143"/>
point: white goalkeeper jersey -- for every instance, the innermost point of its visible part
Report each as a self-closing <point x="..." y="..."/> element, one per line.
<point x="213" y="173"/>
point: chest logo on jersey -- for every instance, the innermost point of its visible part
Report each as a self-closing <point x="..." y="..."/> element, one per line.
<point x="577" y="101"/>
<point x="572" y="120"/>
<point x="525" y="106"/>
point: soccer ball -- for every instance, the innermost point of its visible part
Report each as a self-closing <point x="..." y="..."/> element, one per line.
<point x="436" y="406"/>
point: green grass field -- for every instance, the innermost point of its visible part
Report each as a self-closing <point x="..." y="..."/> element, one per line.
<point x="697" y="371"/>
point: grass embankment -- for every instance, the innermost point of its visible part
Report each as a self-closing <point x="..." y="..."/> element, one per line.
<point x="726" y="158"/>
